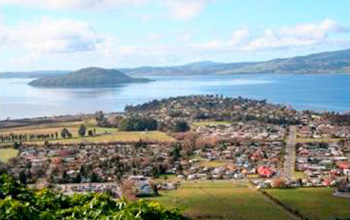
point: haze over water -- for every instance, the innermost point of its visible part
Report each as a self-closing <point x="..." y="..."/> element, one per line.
<point x="314" y="92"/>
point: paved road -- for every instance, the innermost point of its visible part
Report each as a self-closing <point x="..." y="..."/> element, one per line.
<point x="290" y="156"/>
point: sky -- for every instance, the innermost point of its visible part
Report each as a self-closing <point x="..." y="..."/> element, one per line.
<point x="73" y="34"/>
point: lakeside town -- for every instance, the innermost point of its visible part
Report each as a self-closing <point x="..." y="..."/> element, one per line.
<point x="213" y="138"/>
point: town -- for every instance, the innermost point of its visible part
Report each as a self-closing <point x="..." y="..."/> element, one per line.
<point x="210" y="138"/>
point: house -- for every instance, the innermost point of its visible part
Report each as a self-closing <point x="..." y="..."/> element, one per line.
<point x="265" y="171"/>
<point x="142" y="184"/>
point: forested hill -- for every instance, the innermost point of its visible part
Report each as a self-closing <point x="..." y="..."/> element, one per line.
<point x="88" y="77"/>
<point x="326" y="62"/>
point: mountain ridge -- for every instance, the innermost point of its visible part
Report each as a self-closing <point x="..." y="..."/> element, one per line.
<point x="324" y="62"/>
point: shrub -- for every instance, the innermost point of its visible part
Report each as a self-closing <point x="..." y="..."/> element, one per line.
<point x="19" y="202"/>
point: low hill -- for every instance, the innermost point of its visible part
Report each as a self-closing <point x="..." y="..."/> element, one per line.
<point x="326" y="62"/>
<point x="88" y="77"/>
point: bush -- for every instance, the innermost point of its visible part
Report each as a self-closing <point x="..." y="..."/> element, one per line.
<point x="137" y="124"/>
<point x="19" y="202"/>
<point x="180" y="126"/>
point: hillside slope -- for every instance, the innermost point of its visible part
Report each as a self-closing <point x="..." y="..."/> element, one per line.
<point x="88" y="77"/>
<point x="326" y="62"/>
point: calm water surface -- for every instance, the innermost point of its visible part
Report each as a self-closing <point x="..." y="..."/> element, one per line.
<point x="316" y="92"/>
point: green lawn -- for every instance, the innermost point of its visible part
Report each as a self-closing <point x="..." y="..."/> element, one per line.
<point x="207" y="123"/>
<point x="314" y="203"/>
<point x="299" y="174"/>
<point x="127" y="136"/>
<point x="325" y="140"/>
<point x="221" y="200"/>
<point x="7" y="153"/>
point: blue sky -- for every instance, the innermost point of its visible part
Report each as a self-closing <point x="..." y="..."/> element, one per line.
<point x="72" y="34"/>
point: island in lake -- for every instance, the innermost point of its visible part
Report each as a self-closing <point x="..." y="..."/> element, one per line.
<point x="88" y="77"/>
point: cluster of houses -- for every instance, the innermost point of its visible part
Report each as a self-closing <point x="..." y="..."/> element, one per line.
<point x="322" y="163"/>
<point x="110" y="187"/>
<point x="90" y="162"/>
<point x="214" y="107"/>
<point x="255" y="131"/>
<point x="322" y="130"/>
<point x="234" y="161"/>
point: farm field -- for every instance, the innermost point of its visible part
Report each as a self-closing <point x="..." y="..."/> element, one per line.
<point x="221" y="200"/>
<point x="123" y="136"/>
<point x="102" y="134"/>
<point x="7" y="153"/>
<point x="313" y="203"/>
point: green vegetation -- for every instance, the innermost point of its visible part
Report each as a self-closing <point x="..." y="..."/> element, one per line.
<point x="325" y="140"/>
<point x="313" y="203"/>
<point x="95" y="134"/>
<point x="221" y="200"/>
<point x="88" y="77"/>
<point x="299" y="175"/>
<point x="208" y="123"/>
<point x="180" y="126"/>
<point x="19" y="203"/>
<point x="137" y="124"/>
<point x="7" y="153"/>
<point x="130" y="136"/>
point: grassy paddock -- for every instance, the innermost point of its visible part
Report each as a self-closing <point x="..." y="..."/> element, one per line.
<point x="207" y="123"/>
<point x="120" y="136"/>
<point x="313" y="203"/>
<point x="103" y="134"/>
<point x="325" y="140"/>
<point x="299" y="174"/>
<point x="7" y="153"/>
<point x="221" y="200"/>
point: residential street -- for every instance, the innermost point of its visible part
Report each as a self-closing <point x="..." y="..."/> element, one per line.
<point x="290" y="155"/>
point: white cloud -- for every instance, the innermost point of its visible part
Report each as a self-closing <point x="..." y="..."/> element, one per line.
<point x="53" y="36"/>
<point x="297" y="36"/>
<point x="153" y="36"/>
<point x="239" y="37"/>
<point x="301" y="35"/>
<point x="178" y="9"/>
<point x="73" y="4"/>
<point x="185" y="9"/>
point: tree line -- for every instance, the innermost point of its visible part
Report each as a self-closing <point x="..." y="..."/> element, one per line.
<point x="64" y="133"/>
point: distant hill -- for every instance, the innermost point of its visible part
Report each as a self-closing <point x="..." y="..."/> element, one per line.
<point x="326" y="62"/>
<point x="33" y="74"/>
<point x="88" y="77"/>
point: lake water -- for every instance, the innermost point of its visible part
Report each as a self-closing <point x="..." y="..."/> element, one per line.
<point x="316" y="92"/>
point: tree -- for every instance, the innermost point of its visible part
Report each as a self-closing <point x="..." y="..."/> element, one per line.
<point x="64" y="133"/>
<point x="90" y="133"/>
<point x="82" y="130"/>
<point x="180" y="126"/>
<point x="23" y="177"/>
<point x="94" y="178"/>
<point x="19" y="202"/>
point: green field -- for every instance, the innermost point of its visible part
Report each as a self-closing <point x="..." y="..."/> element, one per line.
<point x="221" y="200"/>
<point x="299" y="174"/>
<point x="103" y="134"/>
<point x="207" y="123"/>
<point x="325" y="140"/>
<point x="7" y="153"/>
<point x="314" y="203"/>
<point x="129" y="136"/>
